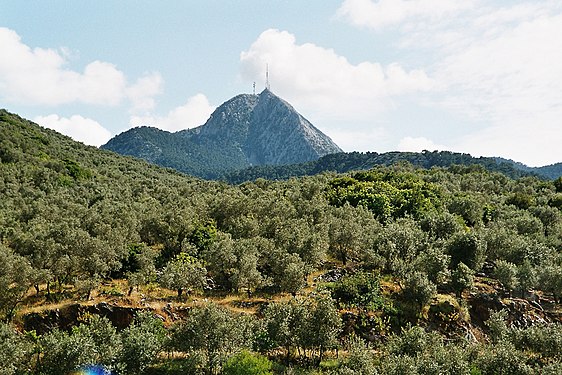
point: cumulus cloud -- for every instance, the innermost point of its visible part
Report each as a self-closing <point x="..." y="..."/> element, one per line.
<point x="40" y="76"/>
<point x="77" y="127"/>
<point x="321" y="80"/>
<point x="142" y="93"/>
<point x="193" y="113"/>
<point x="498" y="64"/>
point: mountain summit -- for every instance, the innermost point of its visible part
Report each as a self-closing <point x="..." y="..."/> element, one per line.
<point x="245" y="131"/>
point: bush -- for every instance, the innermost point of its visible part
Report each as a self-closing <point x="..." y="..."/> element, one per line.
<point x="246" y="363"/>
<point x="361" y="290"/>
<point x="419" y="289"/>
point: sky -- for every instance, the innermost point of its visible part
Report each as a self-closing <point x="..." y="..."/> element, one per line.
<point x="476" y="76"/>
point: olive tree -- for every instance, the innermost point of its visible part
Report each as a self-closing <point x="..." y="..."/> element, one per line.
<point x="184" y="272"/>
<point x="15" y="281"/>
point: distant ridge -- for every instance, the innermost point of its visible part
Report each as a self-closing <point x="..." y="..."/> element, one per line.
<point x="247" y="130"/>
<point x="354" y="161"/>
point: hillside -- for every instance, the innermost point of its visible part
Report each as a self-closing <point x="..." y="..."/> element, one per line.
<point x="244" y="131"/>
<point x="356" y="161"/>
<point x="108" y="260"/>
<point x="552" y="171"/>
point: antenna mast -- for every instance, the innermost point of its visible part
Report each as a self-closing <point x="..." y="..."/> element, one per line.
<point x="267" y="76"/>
<point x="254" y="88"/>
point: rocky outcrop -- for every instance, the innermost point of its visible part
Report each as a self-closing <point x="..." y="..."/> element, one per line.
<point x="69" y="316"/>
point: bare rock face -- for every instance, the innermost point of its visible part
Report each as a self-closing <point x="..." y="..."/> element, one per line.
<point x="280" y="135"/>
<point x="245" y="131"/>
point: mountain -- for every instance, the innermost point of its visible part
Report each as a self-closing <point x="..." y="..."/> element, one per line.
<point x="247" y="130"/>
<point x="551" y="171"/>
<point x="354" y="161"/>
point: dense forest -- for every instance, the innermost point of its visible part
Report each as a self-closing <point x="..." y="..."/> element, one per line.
<point x="392" y="270"/>
<point x="353" y="161"/>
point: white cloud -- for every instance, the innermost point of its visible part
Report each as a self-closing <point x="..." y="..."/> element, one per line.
<point x="193" y="113"/>
<point x="384" y="13"/>
<point x="142" y="93"/>
<point x="497" y="63"/>
<point x="77" y="127"/>
<point x="418" y="144"/>
<point x="320" y="80"/>
<point x="40" y="76"/>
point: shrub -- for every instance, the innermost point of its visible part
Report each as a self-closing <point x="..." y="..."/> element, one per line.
<point x="246" y="363"/>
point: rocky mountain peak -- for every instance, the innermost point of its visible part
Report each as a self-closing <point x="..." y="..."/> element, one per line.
<point x="244" y="131"/>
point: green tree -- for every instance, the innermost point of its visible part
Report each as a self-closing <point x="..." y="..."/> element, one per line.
<point x="558" y="184"/>
<point x="462" y="278"/>
<point x="140" y="268"/>
<point x="361" y="360"/>
<point x="15" y="351"/>
<point x="95" y="342"/>
<point x="400" y="243"/>
<point x="418" y="289"/>
<point x="292" y="277"/>
<point x="284" y="321"/>
<point x="469" y="208"/>
<point x="215" y="333"/>
<point x="245" y="273"/>
<point x="142" y="341"/>
<point x="361" y="290"/>
<point x="435" y="263"/>
<point x="550" y="278"/>
<point x="469" y="249"/>
<point x="351" y="231"/>
<point x="325" y="322"/>
<point x="184" y="272"/>
<point x="15" y="280"/>
<point x="506" y="273"/>
<point x="527" y="277"/>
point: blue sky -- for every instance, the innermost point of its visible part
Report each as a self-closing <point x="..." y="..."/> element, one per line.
<point x="475" y="76"/>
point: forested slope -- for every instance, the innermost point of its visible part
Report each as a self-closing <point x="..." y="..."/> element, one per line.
<point x="355" y="161"/>
<point x="450" y="270"/>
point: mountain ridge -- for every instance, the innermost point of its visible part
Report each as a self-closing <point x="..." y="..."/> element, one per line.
<point x="354" y="161"/>
<point x="244" y="131"/>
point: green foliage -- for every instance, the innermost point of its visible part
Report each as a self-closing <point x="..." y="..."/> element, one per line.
<point x="435" y="264"/>
<point x="361" y="360"/>
<point x="418" y="289"/>
<point x="503" y="358"/>
<point x="558" y="184"/>
<point x="360" y="290"/>
<point x="15" y="276"/>
<point x="467" y="207"/>
<point x="214" y="332"/>
<point x="184" y="272"/>
<point x="142" y="341"/>
<point x="15" y="351"/>
<point x="288" y="325"/>
<point x="386" y="195"/>
<point x="521" y="200"/>
<point x="506" y="273"/>
<point x="76" y="171"/>
<point x="72" y="217"/>
<point x="497" y="324"/>
<point x="469" y="249"/>
<point x="462" y="278"/>
<point x="246" y="363"/>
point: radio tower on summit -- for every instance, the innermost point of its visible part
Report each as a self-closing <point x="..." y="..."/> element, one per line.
<point x="267" y="76"/>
